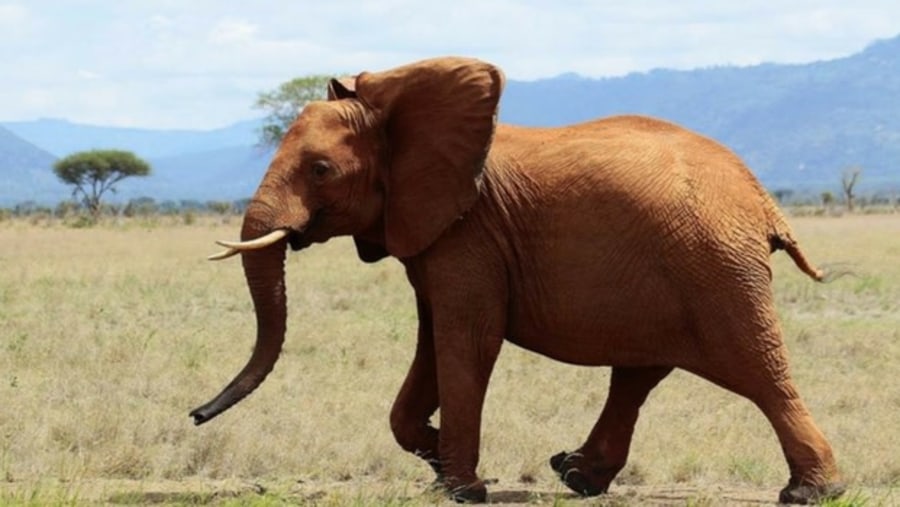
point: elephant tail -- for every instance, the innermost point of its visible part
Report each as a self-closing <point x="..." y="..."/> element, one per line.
<point x="785" y="242"/>
<point x="782" y="238"/>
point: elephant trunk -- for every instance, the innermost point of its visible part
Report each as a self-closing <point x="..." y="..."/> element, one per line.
<point x="264" y="270"/>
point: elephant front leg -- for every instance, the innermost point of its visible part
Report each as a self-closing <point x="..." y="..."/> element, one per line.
<point x="464" y="365"/>
<point x="418" y="400"/>
<point x="590" y="470"/>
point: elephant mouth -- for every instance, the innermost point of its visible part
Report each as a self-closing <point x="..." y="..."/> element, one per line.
<point x="298" y="241"/>
<point x="300" y="238"/>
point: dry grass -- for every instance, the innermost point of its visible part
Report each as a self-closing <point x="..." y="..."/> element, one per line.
<point x="110" y="335"/>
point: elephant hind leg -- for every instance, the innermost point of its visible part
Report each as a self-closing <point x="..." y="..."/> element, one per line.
<point x="589" y="470"/>
<point x="758" y="370"/>
<point x="814" y="474"/>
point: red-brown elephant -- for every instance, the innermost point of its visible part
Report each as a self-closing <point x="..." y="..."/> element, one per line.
<point x="626" y="242"/>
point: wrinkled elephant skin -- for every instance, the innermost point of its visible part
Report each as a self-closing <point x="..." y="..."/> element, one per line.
<point x="626" y="242"/>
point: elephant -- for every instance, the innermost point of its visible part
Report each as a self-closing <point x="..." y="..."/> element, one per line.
<point x="626" y="242"/>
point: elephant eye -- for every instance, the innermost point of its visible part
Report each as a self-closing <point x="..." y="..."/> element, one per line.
<point x="320" y="168"/>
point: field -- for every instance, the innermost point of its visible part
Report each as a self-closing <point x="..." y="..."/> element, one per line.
<point x="109" y="335"/>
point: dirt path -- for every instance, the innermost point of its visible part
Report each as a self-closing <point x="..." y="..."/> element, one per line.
<point x="207" y="492"/>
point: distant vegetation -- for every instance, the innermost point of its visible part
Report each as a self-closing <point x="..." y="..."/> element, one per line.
<point x="283" y="103"/>
<point x="75" y="214"/>
<point x="82" y="213"/>
<point x="92" y="174"/>
<point x="188" y="211"/>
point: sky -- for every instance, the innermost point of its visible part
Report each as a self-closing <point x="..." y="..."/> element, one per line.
<point x="199" y="64"/>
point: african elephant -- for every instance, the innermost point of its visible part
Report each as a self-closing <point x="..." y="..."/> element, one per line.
<point x="626" y="242"/>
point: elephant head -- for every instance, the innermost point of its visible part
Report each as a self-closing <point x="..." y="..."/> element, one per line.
<point x="392" y="158"/>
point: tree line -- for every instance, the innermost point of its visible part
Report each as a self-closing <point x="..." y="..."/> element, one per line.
<point x="137" y="207"/>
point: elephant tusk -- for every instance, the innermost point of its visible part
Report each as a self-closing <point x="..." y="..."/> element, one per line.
<point x="236" y="247"/>
<point x="254" y="244"/>
<point x="223" y="254"/>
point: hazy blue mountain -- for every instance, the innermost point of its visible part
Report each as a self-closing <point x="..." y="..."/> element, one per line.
<point x="25" y="172"/>
<point x="224" y="174"/>
<point x="215" y="164"/>
<point x="17" y="153"/>
<point x="797" y="126"/>
<point x="62" y="137"/>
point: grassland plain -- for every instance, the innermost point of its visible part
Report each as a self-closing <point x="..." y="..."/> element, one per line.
<point x="110" y="335"/>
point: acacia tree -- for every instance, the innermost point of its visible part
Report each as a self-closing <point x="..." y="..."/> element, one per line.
<point x="285" y="102"/>
<point x="848" y="182"/>
<point x="94" y="173"/>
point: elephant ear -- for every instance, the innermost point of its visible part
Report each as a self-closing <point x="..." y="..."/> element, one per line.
<point x="342" y="88"/>
<point x="439" y="118"/>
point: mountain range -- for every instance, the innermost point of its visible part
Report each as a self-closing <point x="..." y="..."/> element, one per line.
<point x="200" y="165"/>
<point x="797" y="126"/>
<point x="25" y="171"/>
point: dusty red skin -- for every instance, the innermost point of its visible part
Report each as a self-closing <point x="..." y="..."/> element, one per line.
<point x="626" y="242"/>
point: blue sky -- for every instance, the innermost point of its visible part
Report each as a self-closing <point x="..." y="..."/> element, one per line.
<point x="201" y="63"/>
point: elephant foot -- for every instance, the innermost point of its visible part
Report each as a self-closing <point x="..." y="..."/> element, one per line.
<point x="581" y="475"/>
<point x="458" y="491"/>
<point x="473" y="492"/>
<point x="808" y="494"/>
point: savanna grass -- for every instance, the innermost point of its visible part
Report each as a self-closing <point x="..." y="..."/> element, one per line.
<point x="110" y="334"/>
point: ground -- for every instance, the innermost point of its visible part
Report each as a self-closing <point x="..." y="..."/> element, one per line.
<point x="109" y="335"/>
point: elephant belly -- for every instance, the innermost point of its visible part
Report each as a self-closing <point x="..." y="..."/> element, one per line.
<point x="601" y="321"/>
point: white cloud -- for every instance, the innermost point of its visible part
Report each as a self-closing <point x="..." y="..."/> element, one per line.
<point x="87" y="75"/>
<point x="201" y="63"/>
<point x="36" y="98"/>
<point x="232" y="32"/>
<point x="161" y="22"/>
<point x="12" y="14"/>
<point x="15" y="24"/>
